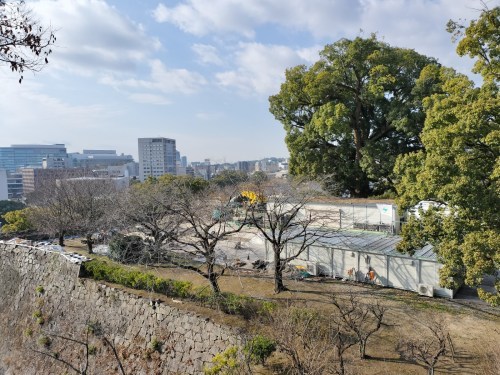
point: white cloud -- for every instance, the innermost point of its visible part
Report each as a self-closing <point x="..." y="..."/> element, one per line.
<point x="42" y="118"/>
<point x="147" y="98"/>
<point x="417" y="24"/>
<point x="261" y="68"/>
<point x="93" y="36"/>
<point x="205" y="116"/>
<point x="420" y="25"/>
<point x="200" y="17"/>
<point x="162" y="79"/>
<point x="207" y="54"/>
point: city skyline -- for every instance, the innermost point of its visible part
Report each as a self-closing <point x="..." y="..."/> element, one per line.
<point x="123" y="70"/>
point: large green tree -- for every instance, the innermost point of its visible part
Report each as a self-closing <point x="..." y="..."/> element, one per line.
<point x="352" y="113"/>
<point x="459" y="165"/>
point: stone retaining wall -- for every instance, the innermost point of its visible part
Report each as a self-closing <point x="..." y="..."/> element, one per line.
<point x="185" y="341"/>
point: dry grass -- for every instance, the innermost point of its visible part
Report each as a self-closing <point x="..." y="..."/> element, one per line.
<point x="475" y="335"/>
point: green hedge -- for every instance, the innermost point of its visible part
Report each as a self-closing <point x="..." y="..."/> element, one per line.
<point x="229" y="303"/>
<point x="102" y="270"/>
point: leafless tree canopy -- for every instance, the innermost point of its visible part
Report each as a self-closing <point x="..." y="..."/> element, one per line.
<point x="282" y="219"/>
<point x="90" y="335"/>
<point x="145" y="210"/>
<point x="303" y="336"/>
<point x="204" y="220"/>
<point x="428" y="349"/>
<point x="24" y="43"/>
<point x="361" y="319"/>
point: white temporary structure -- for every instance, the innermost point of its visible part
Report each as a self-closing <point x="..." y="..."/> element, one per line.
<point x="353" y="254"/>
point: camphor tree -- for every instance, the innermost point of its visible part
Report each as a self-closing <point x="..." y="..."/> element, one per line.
<point x="459" y="166"/>
<point x="352" y="113"/>
<point x="24" y="43"/>
<point x="282" y="219"/>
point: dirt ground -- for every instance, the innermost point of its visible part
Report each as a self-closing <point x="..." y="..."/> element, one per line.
<point x="474" y="327"/>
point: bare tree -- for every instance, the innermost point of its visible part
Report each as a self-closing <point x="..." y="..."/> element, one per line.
<point x="360" y="319"/>
<point x="341" y="341"/>
<point x="303" y="336"/>
<point x="91" y="330"/>
<point x="204" y="220"/>
<point x="24" y="43"/>
<point x="280" y="215"/>
<point x="146" y="210"/>
<point x="51" y="209"/>
<point x="91" y="201"/>
<point x="426" y="350"/>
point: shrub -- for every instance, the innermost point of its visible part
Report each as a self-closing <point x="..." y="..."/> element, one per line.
<point x="28" y="332"/>
<point x="92" y="349"/>
<point x="227" y="362"/>
<point x="259" y="349"/>
<point x="101" y="270"/>
<point x="155" y="344"/>
<point x="44" y="341"/>
<point x="39" y="289"/>
<point x="37" y="314"/>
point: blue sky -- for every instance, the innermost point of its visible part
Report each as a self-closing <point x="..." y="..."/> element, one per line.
<point x="198" y="71"/>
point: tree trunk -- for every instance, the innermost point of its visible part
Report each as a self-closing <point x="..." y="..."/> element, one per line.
<point x="89" y="243"/>
<point x="278" y="274"/>
<point x="61" y="238"/>
<point x="212" y="278"/>
<point x="430" y="371"/>
<point x="340" y="356"/>
<point x="362" y="349"/>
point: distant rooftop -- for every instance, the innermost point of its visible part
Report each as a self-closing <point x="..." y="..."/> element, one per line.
<point x="99" y="152"/>
<point x="371" y="242"/>
<point x="57" y="145"/>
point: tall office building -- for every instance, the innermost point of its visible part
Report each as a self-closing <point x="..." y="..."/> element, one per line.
<point x="21" y="156"/>
<point x="157" y="156"/>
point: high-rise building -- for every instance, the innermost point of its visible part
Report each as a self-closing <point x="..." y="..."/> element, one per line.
<point x="21" y="156"/>
<point x="4" y="192"/>
<point x="157" y="156"/>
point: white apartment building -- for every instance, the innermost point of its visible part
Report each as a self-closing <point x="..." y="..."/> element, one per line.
<point x="157" y="156"/>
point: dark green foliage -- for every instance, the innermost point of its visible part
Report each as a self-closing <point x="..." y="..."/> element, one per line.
<point x="101" y="270"/>
<point x="460" y="165"/>
<point x="352" y="113"/>
<point x="259" y="349"/>
<point x="229" y="178"/>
